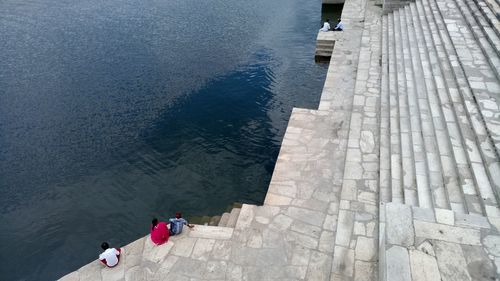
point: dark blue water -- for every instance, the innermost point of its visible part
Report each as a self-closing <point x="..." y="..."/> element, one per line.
<point x="115" y="111"/>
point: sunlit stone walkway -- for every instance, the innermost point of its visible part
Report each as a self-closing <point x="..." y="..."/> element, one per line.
<point x="394" y="177"/>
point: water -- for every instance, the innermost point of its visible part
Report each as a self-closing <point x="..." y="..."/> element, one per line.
<point x="115" y="111"/>
<point x="331" y="12"/>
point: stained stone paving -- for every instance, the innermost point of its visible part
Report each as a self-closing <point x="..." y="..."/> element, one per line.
<point x="449" y="246"/>
<point x="395" y="176"/>
<point x="356" y="249"/>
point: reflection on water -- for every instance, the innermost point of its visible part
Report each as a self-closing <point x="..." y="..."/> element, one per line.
<point x="112" y="112"/>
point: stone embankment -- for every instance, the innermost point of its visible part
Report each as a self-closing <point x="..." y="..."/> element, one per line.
<point x="395" y="176"/>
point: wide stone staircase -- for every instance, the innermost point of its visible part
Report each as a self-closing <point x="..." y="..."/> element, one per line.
<point x="439" y="160"/>
<point x="395" y="176"/>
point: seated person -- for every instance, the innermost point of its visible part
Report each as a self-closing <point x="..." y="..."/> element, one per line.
<point x="339" y="26"/>
<point x="326" y="26"/>
<point x="159" y="232"/>
<point x="111" y="256"/>
<point x="177" y="223"/>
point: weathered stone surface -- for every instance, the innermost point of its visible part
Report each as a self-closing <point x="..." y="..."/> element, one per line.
<point x="471" y="220"/>
<point x="213" y="232"/>
<point x="451" y="261"/>
<point x="134" y="274"/>
<point x="479" y="265"/>
<point x="156" y="253"/>
<point x="234" y="273"/>
<point x="366" y="249"/>
<point x="282" y="222"/>
<point x="300" y="256"/>
<point x="367" y="142"/>
<point x="447" y="233"/>
<point x="91" y="271"/>
<point x="343" y="261"/>
<point x="445" y="216"/>
<point x="307" y="216"/>
<point x="326" y="242"/>
<point x="344" y="227"/>
<point x="184" y="247"/>
<point x="189" y="268"/>
<point x="221" y="249"/>
<point x="397" y="264"/>
<point x="399" y="224"/>
<point x="365" y="271"/>
<point x="319" y="266"/>
<point x="116" y="273"/>
<point x="426" y="248"/>
<point x="492" y="244"/>
<point x="423" y="266"/>
<point x="73" y="276"/>
<point x="215" y="270"/>
<point x="202" y="249"/>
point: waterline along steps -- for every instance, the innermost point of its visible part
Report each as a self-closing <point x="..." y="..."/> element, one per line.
<point x="396" y="175"/>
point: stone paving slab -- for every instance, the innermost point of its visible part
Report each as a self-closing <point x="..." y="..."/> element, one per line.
<point x="440" y="250"/>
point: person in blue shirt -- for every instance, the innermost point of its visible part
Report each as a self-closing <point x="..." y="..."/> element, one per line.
<point x="339" y="26"/>
<point x="177" y="223"/>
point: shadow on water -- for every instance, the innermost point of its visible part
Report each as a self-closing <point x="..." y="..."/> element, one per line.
<point x="215" y="146"/>
<point x="226" y="122"/>
<point x="108" y="119"/>
<point x="332" y="12"/>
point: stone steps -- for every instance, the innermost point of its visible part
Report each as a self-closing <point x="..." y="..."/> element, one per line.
<point x="491" y="13"/>
<point x="483" y="86"/>
<point x="441" y="105"/>
<point x="443" y="118"/>
<point x="436" y="159"/>
<point x="435" y="153"/>
<point x="214" y="221"/>
<point x="397" y="193"/>
<point x="233" y="217"/>
<point x="461" y="58"/>
<point x="405" y="125"/>
<point x="488" y="40"/>
<point x="224" y="219"/>
<point x="324" y="49"/>
<point x="385" y="134"/>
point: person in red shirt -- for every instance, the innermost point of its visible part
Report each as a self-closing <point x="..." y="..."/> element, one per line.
<point x="159" y="232"/>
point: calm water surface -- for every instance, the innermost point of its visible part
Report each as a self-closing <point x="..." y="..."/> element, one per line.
<point x="114" y="111"/>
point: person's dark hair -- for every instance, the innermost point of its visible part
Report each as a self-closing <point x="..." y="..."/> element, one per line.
<point x="178" y="215"/>
<point x="327" y="20"/>
<point x="154" y="222"/>
<point x="339" y="20"/>
<point x="104" y="245"/>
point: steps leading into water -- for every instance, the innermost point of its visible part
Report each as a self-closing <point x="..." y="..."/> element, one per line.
<point x="394" y="177"/>
<point x="233" y="216"/>
<point x="325" y="43"/>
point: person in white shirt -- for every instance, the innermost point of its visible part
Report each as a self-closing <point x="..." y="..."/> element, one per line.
<point x="326" y="26"/>
<point x="111" y="256"/>
<point x="339" y="26"/>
